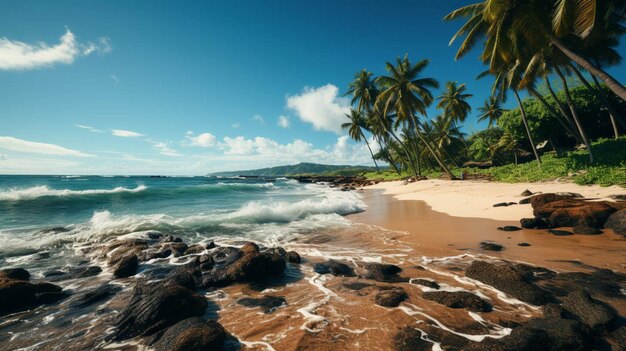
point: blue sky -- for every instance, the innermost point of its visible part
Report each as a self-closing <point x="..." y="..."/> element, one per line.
<point x="191" y="87"/>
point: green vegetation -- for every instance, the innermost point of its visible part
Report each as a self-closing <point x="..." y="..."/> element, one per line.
<point x="554" y="52"/>
<point x="299" y="169"/>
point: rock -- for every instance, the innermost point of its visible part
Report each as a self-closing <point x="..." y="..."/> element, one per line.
<point x="335" y="268"/>
<point x="526" y="193"/>
<point x="509" y="280"/>
<point x="524" y="201"/>
<point x="595" y="314"/>
<point x="277" y="250"/>
<point x="267" y="303"/>
<point x="458" y="299"/>
<point x="617" y="222"/>
<point x="157" y="306"/>
<point x="243" y="265"/>
<point x="523" y="244"/>
<point x="410" y="339"/>
<point x="293" y="257"/>
<point x="560" y="232"/>
<point x="194" y="249"/>
<point x="586" y="230"/>
<point x="15" y="273"/>
<point x="98" y="294"/>
<point x="542" y="199"/>
<point x="73" y="273"/>
<point x="126" y="266"/>
<point x="570" y="212"/>
<point x="534" y="223"/>
<point x="618" y="197"/>
<point x="488" y="246"/>
<point x="425" y="282"/>
<point x="509" y="228"/>
<point x="192" y="334"/>
<point x="18" y="295"/>
<point x="553" y="310"/>
<point x="501" y="204"/>
<point x="391" y="297"/>
<point x="382" y="272"/>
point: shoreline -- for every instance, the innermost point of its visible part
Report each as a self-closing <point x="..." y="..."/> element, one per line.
<point x="440" y="225"/>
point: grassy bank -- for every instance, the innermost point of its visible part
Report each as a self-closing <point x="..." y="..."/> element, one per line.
<point x="609" y="168"/>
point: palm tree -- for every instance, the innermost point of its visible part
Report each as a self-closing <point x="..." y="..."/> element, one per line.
<point x="363" y="91"/>
<point x="535" y="25"/>
<point x="408" y="95"/>
<point x="453" y="102"/>
<point x="378" y="128"/>
<point x="508" y="143"/>
<point x="491" y="110"/>
<point x="355" y="130"/>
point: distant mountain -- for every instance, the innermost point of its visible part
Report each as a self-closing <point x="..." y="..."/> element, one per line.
<point x="299" y="169"/>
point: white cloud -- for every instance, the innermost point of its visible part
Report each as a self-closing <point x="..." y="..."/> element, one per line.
<point x="19" y="145"/>
<point x="322" y="107"/>
<point x="283" y="121"/>
<point x="17" y="55"/>
<point x="201" y="140"/>
<point x="91" y="129"/>
<point x="125" y="133"/>
<point x="238" y="146"/>
<point x="259" y="119"/>
<point x="164" y="148"/>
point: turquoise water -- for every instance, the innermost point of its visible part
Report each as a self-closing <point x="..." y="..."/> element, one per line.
<point x="55" y="212"/>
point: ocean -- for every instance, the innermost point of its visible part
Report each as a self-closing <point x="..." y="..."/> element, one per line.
<point x="54" y="213"/>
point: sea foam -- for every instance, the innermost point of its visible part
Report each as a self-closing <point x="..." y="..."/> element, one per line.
<point x="43" y="190"/>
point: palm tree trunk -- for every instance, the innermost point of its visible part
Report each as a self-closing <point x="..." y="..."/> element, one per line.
<point x="386" y="150"/>
<point x="552" y="111"/>
<point x="408" y="154"/>
<point x="575" y="113"/>
<point x="530" y="137"/>
<point x="559" y="104"/>
<point x="618" y="117"/>
<point x="432" y="151"/>
<point x="371" y="153"/>
<point x="600" y="97"/>
<point x="515" y="157"/>
<point x="610" y="82"/>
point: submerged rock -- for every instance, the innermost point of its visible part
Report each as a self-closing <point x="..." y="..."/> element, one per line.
<point x="595" y="314"/>
<point x="157" y="306"/>
<point x="509" y="280"/>
<point x="293" y="257"/>
<point x="560" y="232"/>
<point x="335" y="268"/>
<point x="382" y="272"/>
<point x="267" y="303"/>
<point x="15" y="273"/>
<point x="489" y="246"/>
<point x="509" y="228"/>
<point x="95" y="295"/>
<point x="18" y="294"/>
<point x="458" y="299"/>
<point x="391" y="297"/>
<point x="425" y="282"/>
<point x="410" y="339"/>
<point x="192" y="334"/>
<point x="73" y="273"/>
<point x="126" y="266"/>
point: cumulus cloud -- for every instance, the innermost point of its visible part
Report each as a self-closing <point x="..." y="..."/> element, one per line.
<point x="125" y="133"/>
<point x="19" y="145"/>
<point x="89" y="128"/>
<point x="322" y="107"/>
<point x="17" y="55"/>
<point x="200" y="140"/>
<point x="238" y="146"/>
<point x="164" y="148"/>
<point x="283" y="121"/>
<point x="259" y="119"/>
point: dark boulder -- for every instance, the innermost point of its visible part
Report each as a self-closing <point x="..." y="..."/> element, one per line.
<point x="489" y="246"/>
<point x="73" y="273"/>
<point x="194" y="249"/>
<point x="560" y="232"/>
<point x="268" y="303"/>
<point x="277" y="250"/>
<point x="501" y="204"/>
<point x="509" y="280"/>
<point x="425" y="282"/>
<point x="509" y="228"/>
<point x="93" y="296"/>
<point x="526" y="193"/>
<point x="586" y="230"/>
<point x="594" y="313"/>
<point x="458" y="299"/>
<point x="382" y="272"/>
<point x="18" y="295"/>
<point x="535" y="223"/>
<point x="126" y="266"/>
<point x="391" y="297"/>
<point x="523" y="244"/>
<point x="157" y="306"/>
<point x="192" y="334"/>
<point x="293" y="257"/>
<point x="617" y="222"/>
<point x="524" y="201"/>
<point x="410" y="339"/>
<point x="335" y="268"/>
<point x="15" y="273"/>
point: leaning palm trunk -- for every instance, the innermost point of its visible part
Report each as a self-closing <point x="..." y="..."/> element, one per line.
<point x="404" y="148"/>
<point x="572" y="108"/>
<point x="382" y="140"/>
<point x="610" y="82"/>
<point x="598" y="93"/>
<point x="618" y="117"/>
<point x="553" y="112"/>
<point x="371" y="153"/>
<point x="432" y="151"/>
<point x="565" y="115"/>
<point x="530" y="137"/>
